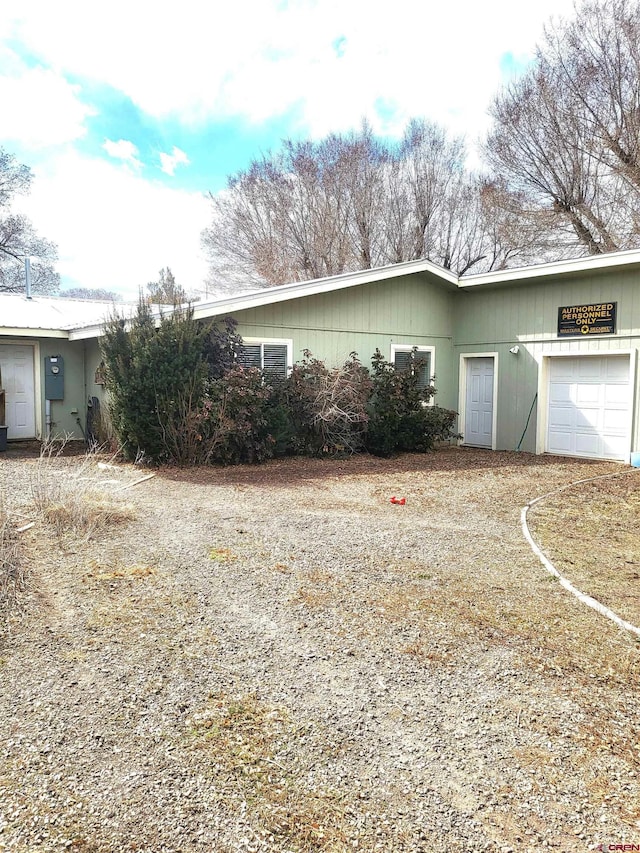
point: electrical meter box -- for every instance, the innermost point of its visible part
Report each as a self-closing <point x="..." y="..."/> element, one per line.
<point x="54" y="377"/>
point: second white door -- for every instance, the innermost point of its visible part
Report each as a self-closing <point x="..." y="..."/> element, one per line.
<point x="478" y="426"/>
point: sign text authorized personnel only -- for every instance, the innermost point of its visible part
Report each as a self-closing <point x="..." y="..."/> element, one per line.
<point x="580" y="320"/>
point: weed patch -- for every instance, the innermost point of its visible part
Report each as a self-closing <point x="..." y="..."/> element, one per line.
<point x="11" y="569"/>
<point x="66" y="495"/>
<point x="247" y="740"/>
<point x="222" y="555"/>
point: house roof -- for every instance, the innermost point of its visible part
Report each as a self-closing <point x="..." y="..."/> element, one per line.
<point x="78" y="319"/>
<point x="629" y="258"/>
<point x="51" y="316"/>
<point x="298" y="290"/>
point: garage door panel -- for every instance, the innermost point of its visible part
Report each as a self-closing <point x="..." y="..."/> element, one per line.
<point x="562" y="369"/>
<point x="560" y="392"/>
<point x="560" y="440"/>
<point x="615" y="447"/>
<point x="615" y="420"/>
<point x="587" y="420"/>
<point x="617" y="369"/>
<point x="561" y="417"/>
<point x="589" y="409"/>
<point x="590" y="395"/>
<point x="587" y="444"/>
<point x="616" y="395"/>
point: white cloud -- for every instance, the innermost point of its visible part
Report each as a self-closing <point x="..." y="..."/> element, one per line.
<point x="113" y="228"/>
<point x="39" y="107"/>
<point x="123" y="150"/>
<point x="260" y="59"/>
<point x="169" y="162"/>
<point x="328" y="62"/>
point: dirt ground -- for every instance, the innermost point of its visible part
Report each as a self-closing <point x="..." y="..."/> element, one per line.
<point x="277" y="658"/>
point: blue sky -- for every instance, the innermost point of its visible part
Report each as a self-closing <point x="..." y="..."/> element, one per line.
<point x="130" y="113"/>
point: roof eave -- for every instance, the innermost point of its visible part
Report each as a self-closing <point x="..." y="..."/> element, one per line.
<point x="297" y="290"/>
<point x="554" y="268"/>
<point x="21" y="332"/>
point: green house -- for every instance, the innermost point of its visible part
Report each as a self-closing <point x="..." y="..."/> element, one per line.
<point x="542" y="358"/>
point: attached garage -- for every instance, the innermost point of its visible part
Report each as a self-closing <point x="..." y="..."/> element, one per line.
<point x="589" y="406"/>
<point x="18" y="381"/>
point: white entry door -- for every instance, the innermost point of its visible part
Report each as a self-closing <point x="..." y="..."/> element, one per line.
<point x="589" y="410"/>
<point x="478" y="426"/>
<point x="16" y="365"/>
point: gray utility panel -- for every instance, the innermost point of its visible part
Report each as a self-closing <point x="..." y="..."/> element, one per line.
<point x="54" y="377"/>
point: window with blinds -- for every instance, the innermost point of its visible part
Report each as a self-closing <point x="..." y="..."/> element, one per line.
<point x="272" y="358"/>
<point x="415" y="361"/>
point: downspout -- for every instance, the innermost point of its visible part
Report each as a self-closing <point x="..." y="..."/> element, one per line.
<point x="84" y="390"/>
<point x="27" y="277"/>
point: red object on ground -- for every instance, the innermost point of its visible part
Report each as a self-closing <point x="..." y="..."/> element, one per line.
<point x="399" y="501"/>
<point x="394" y="500"/>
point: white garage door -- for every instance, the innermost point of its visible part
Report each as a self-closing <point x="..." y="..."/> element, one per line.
<point x="589" y="407"/>
<point x="16" y="365"/>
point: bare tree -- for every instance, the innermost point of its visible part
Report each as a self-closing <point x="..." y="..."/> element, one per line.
<point x="348" y="202"/>
<point x="566" y="136"/>
<point x="166" y="291"/>
<point x="596" y="59"/>
<point x="18" y="238"/>
<point x="91" y="293"/>
<point x="539" y="149"/>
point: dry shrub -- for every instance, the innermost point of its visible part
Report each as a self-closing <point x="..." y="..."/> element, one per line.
<point x="87" y="511"/>
<point x="65" y="493"/>
<point x="11" y="572"/>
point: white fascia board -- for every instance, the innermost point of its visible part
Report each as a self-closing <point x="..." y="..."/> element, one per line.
<point x="85" y="332"/>
<point x="592" y="262"/>
<point x="19" y="332"/>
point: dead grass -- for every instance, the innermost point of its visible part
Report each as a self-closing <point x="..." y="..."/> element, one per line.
<point x="590" y="532"/>
<point x="86" y="512"/>
<point x="120" y="571"/>
<point x="222" y="555"/>
<point x="244" y="737"/>
<point x="318" y="589"/>
<point x="12" y="577"/>
<point x="66" y="494"/>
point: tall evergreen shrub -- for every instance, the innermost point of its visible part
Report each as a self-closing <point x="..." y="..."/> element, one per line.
<point x="147" y="369"/>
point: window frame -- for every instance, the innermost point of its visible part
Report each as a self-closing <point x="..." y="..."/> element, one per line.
<point x="287" y="342"/>
<point x="431" y="351"/>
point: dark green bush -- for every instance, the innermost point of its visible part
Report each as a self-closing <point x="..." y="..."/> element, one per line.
<point x="400" y="418"/>
<point x="178" y="395"/>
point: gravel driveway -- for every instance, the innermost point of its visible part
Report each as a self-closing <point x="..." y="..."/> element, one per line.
<point x="279" y="659"/>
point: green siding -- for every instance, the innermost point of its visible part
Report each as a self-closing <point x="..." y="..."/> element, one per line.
<point x="63" y="418"/>
<point x="419" y="310"/>
<point x="526" y="313"/>
<point x="62" y="411"/>
<point x="415" y="310"/>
